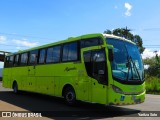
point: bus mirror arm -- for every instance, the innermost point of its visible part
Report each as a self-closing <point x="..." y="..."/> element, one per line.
<point x="110" y="54"/>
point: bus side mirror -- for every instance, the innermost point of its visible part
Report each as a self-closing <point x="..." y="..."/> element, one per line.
<point x="110" y="54"/>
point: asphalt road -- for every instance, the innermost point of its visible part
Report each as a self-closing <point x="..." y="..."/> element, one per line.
<point x="55" y="108"/>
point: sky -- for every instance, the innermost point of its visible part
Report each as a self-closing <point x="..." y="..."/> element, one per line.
<point x="29" y="23"/>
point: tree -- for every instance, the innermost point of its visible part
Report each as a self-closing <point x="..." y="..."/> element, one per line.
<point x="125" y="33"/>
<point x="154" y="67"/>
<point x="157" y="58"/>
<point x="107" y="32"/>
<point x="138" y="40"/>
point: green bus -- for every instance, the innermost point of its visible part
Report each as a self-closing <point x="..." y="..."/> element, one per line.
<point x="96" y="68"/>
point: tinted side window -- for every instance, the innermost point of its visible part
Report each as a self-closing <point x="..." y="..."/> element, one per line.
<point x="95" y="64"/>
<point x="42" y="55"/>
<point x="53" y="54"/>
<point x="11" y="61"/>
<point x="70" y="52"/>
<point x="56" y="53"/>
<point x="91" y="42"/>
<point x="24" y="58"/>
<point x="88" y="63"/>
<point x="16" y="60"/>
<point x="33" y="57"/>
<point x="7" y="62"/>
<point x="98" y="58"/>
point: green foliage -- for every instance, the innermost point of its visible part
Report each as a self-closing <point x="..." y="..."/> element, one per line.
<point x="138" y="40"/>
<point x="128" y="35"/>
<point x="107" y="32"/>
<point x="153" y="85"/>
<point x="153" y="75"/>
<point x="154" y="67"/>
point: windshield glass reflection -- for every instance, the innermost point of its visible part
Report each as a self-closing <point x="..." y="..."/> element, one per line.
<point x="127" y="64"/>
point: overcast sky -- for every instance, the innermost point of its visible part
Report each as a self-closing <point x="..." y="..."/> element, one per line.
<point x="29" y="23"/>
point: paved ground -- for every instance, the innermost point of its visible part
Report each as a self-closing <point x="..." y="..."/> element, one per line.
<point x="55" y="108"/>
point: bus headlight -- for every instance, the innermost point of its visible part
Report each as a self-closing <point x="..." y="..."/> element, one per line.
<point x="117" y="89"/>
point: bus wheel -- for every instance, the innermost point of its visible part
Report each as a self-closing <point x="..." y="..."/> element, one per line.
<point x="15" y="88"/>
<point x="70" y="96"/>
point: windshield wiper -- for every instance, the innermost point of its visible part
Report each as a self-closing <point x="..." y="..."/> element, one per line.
<point x="130" y="62"/>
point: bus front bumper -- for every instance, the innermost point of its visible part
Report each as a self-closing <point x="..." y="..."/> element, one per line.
<point x="121" y="99"/>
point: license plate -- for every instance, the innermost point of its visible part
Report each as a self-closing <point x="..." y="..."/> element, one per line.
<point x="133" y="97"/>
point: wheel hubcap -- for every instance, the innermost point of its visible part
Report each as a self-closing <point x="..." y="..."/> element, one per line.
<point x="69" y="96"/>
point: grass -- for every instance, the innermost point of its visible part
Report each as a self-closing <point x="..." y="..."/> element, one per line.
<point x="152" y="85"/>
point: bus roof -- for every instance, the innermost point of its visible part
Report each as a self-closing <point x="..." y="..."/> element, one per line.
<point x="117" y="37"/>
<point x="70" y="39"/>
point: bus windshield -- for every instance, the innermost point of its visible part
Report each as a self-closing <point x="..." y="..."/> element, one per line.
<point x="127" y="64"/>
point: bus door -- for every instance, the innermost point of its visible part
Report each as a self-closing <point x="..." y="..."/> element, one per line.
<point x="31" y="82"/>
<point x="95" y="64"/>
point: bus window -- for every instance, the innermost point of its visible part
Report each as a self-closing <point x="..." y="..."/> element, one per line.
<point x="56" y="53"/>
<point x="70" y="52"/>
<point x="42" y="55"/>
<point x="16" y="60"/>
<point x="6" y="62"/>
<point x="11" y="61"/>
<point x="53" y="54"/>
<point x="98" y="59"/>
<point x="33" y="57"/>
<point x="95" y="64"/>
<point x="88" y="64"/>
<point x="91" y="42"/>
<point x="24" y="58"/>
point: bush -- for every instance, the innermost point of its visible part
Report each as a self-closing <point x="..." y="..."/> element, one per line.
<point x="153" y="85"/>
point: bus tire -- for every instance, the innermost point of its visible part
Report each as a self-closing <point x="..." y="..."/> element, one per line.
<point x="70" y="96"/>
<point x="15" y="87"/>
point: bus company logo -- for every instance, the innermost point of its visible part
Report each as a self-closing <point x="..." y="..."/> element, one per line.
<point x="6" y="114"/>
<point x="67" y="69"/>
<point x="20" y="114"/>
